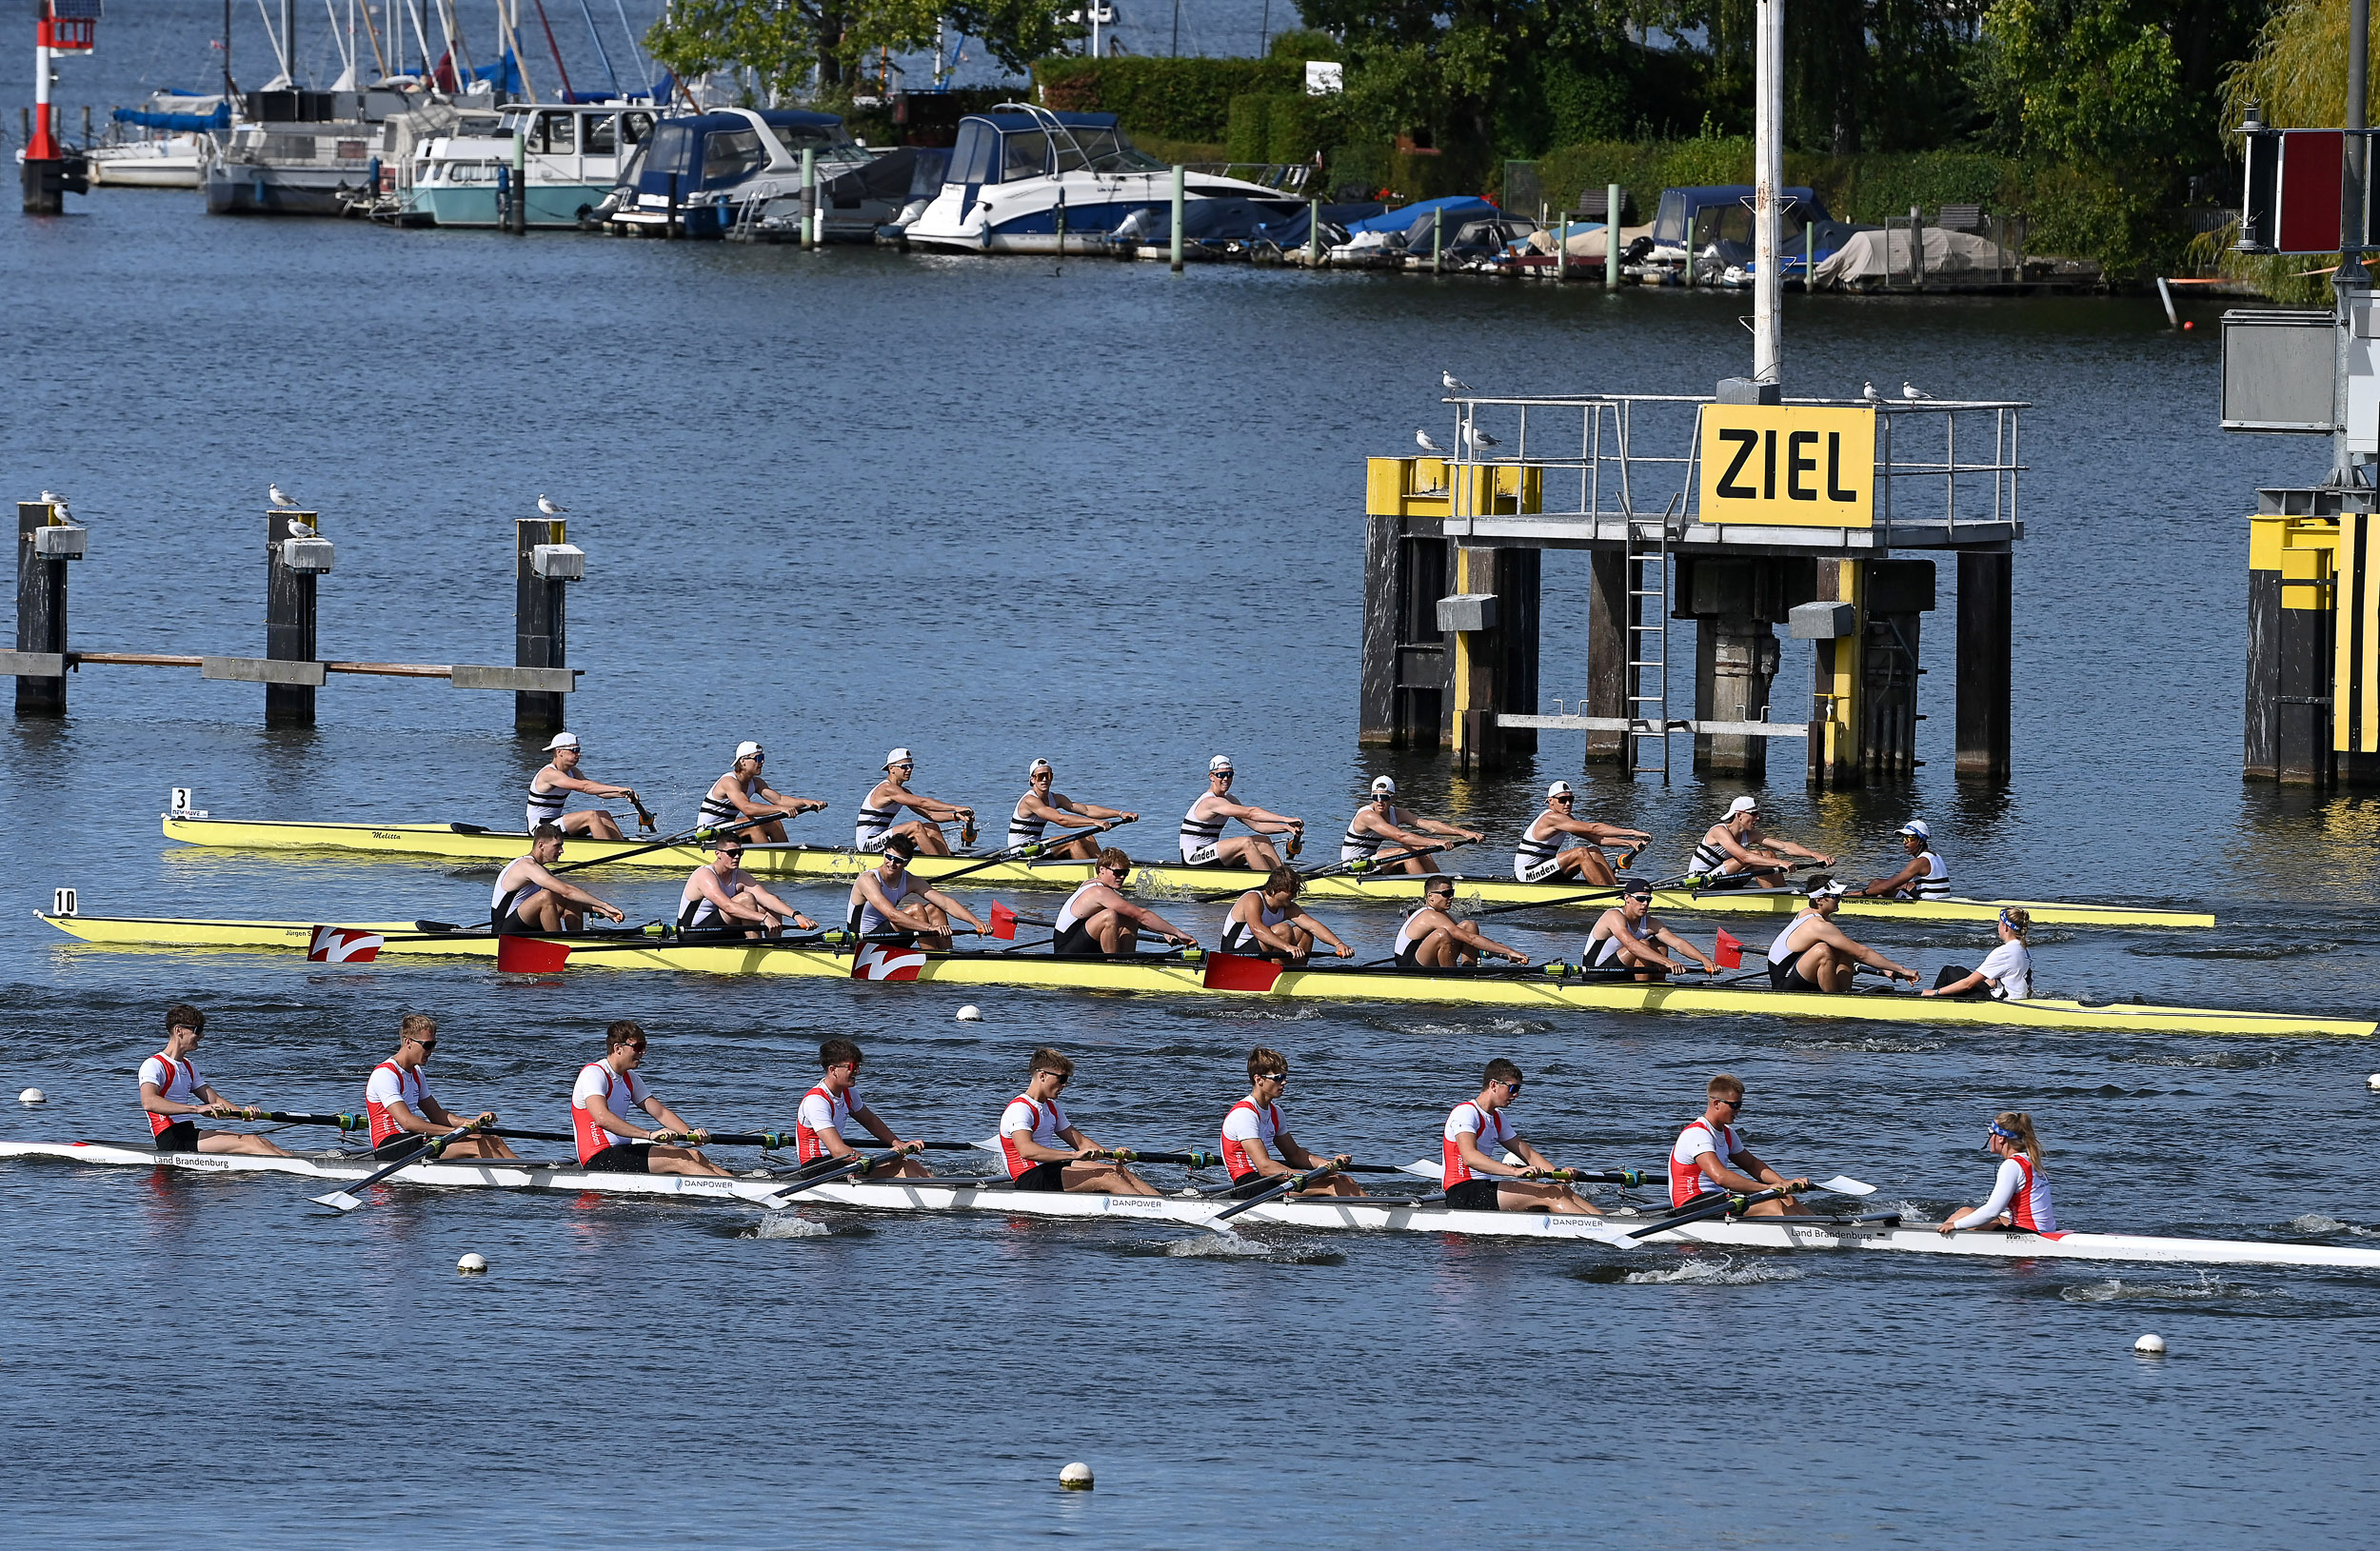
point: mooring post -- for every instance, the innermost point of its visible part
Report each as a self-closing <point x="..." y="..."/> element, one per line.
<point x="1986" y="612"/>
<point x="1314" y="232"/>
<point x="1472" y="615"/>
<point x="545" y="563"/>
<point x="44" y="543"/>
<point x="1383" y="588"/>
<point x="1178" y="194"/>
<point x="2292" y="583"/>
<point x="1613" y="199"/>
<point x="809" y="197"/>
<point x="292" y="563"/>
<point x="1607" y="651"/>
<point x="1437" y="240"/>
<point x="1734" y="605"/>
<point x="521" y="180"/>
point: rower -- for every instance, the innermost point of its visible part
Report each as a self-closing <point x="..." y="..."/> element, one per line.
<point x="1540" y="855"/>
<point x="720" y="896"/>
<point x="1811" y="953"/>
<point x="1382" y="822"/>
<point x="889" y="905"/>
<point x="528" y="898"/>
<point x="743" y="795"/>
<point x="1628" y="940"/>
<point x="1047" y="1152"/>
<point x="1267" y="923"/>
<point x="1097" y="919"/>
<point x="1203" y="843"/>
<point x="2006" y="971"/>
<point x="1477" y="1182"/>
<point x="404" y="1115"/>
<point x="889" y="796"/>
<point x="1435" y="938"/>
<point x="1254" y="1131"/>
<point x="1709" y="1159"/>
<point x="1734" y="854"/>
<point x="609" y="1142"/>
<point x="551" y="786"/>
<point x="1041" y="806"/>
<point x="1924" y="877"/>
<point x="174" y="1090"/>
<point x="2020" y="1197"/>
<point x="829" y="1109"/>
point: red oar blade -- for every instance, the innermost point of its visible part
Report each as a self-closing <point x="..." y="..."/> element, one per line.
<point x="344" y="944"/>
<point x="1236" y="972"/>
<point x="1731" y="953"/>
<point x="530" y="955"/>
<point x="1003" y="923"/>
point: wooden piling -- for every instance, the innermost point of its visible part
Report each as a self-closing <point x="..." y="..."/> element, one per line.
<point x="40" y="614"/>
<point x="1986" y="612"/>
<point x="289" y="622"/>
<point x="541" y="637"/>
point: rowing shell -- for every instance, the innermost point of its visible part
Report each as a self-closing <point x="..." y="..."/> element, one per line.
<point x="961" y="1194"/>
<point x="1172" y="976"/>
<point x="825" y="863"/>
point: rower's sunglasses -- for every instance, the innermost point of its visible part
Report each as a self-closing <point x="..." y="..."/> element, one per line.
<point x="430" y="1044"/>
<point x="1508" y="1086"/>
<point x="1565" y="797"/>
<point x="1121" y="873"/>
<point x="731" y="853"/>
<point x="637" y="1045"/>
<point x="1735" y="1105"/>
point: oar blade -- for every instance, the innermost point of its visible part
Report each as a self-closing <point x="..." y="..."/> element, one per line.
<point x="1843" y="1185"/>
<point x="1237" y="972"/>
<point x="1003" y="923"/>
<point x="1428" y="1168"/>
<point x="530" y="955"/>
<point x="337" y="1200"/>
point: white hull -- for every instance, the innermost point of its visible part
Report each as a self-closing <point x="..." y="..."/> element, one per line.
<point x="965" y="1194"/>
<point x="168" y="162"/>
<point x="1023" y="216"/>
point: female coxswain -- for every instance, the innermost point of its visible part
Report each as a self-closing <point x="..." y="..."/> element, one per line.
<point x="2020" y="1196"/>
<point x="2006" y="971"/>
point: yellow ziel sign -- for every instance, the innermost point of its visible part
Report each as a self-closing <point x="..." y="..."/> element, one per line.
<point x="1788" y="468"/>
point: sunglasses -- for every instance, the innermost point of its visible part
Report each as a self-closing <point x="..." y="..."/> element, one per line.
<point x="730" y="855"/>
<point x="1732" y="1104"/>
<point x="637" y="1045"/>
<point x="1508" y="1087"/>
<point x="428" y="1044"/>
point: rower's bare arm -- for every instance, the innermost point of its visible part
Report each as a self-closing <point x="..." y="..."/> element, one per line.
<point x="1451" y="831"/>
<point x="1022" y="1139"/>
<point x="1679" y="944"/>
<point x="1900" y="881"/>
<point x="1467" y="1147"/>
<point x="669" y="1120"/>
<point x="954" y="908"/>
<point x="1325" y="933"/>
<point x="882" y="1133"/>
<point x="1465" y="931"/>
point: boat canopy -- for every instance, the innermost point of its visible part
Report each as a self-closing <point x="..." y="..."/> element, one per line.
<point x="1722" y="212"/>
<point x="1005" y="148"/>
<point x="158" y="116"/>
<point x="717" y="150"/>
<point x="1418" y="215"/>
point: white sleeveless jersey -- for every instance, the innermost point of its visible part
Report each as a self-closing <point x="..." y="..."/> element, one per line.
<point x="868" y="832"/>
<point x="1238" y="939"/>
<point x="544" y="807"/>
<point x="1535" y="851"/>
<point x="1067" y="914"/>
<point x="1936" y="884"/>
<point x="1355" y="846"/>
<point x="507" y="897"/>
<point x="1200" y="835"/>
<point x="719" y="810"/>
<point x="695" y="910"/>
<point x="1022" y="830"/>
<point x="1782" y="950"/>
<point x="866" y="918"/>
<point x="1602" y="950"/>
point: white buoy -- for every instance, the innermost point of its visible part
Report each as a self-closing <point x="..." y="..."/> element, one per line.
<point x="1076" y="1477"/>
<point x="2373" y="1082"/>
<point x="973" y="1014"/>
<point x="2152" y="1344"/>
<point x="34" y="1095"/>
<point x="473" y="1264"/>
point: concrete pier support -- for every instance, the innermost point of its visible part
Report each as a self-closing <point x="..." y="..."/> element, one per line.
<point x="2291" y="587"/>
<point x="1607" y="653"/>
<point x="1736" y="604"/>
<point x="1898" y="594"/>
<point x="288" y="621"/>
<point x="1986" y="619"/>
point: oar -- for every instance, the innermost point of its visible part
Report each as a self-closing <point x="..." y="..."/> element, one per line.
<point x="1431" y="1169"/>
<point x="359" y="1123"/>
<point x="1278" y="1187"/>
<point x="1004" y="924"/>
<point x="1732" y="1205"/>
<point x="346" y="1201"/>
<point x="522" y="955"/>
<point x="1011" y="853"/>
<point x="1366" y="864"/>
<point x="857" y="1164"/>
<point x="1122" y="1155"/>
<point x="778" y="1140"/>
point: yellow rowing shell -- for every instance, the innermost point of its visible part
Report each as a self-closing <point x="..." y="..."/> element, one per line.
<point x="825" y="863"/>
<point x="1173" y="977"/>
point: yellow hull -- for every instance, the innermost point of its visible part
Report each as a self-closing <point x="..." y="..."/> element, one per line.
<point x="827" y="863"/>
<point x="1172" y="977"/>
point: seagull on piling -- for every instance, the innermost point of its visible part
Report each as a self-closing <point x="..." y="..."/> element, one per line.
<point x="1452" y="383"/>
<point x="1912" y="392"/>
<point x="1421" y="438"/>
<point x="301" y="530"/>
<point x="549" y="506"/>
<point x="274" y="492"/>
<point x="1474" y="438"/>
<point x="1869" y="393"/>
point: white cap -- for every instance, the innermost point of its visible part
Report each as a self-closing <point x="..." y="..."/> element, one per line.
<point x="1916" y="827"/>
<point x="1384" y="786"/>
<point x="1037" y="767"/>
<point x="899" y="756"/>
<point x="1829" y="891"/>
<point x="1220" y="762"/>
<point x="1741" y="804"/>
<point x="748" y="749"/>
<point x="1559" y="788"/>
<point x="562" y="739"/>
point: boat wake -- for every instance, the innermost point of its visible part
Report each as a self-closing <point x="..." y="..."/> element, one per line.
<point x="2316" y="1226"/>
<point x="1697" y="1271"/>
<point x="1460" y="1030"/>
<point x="2208" y="1288"/>
<point x="2260" y="948"/>
<point x="1227" y="1245"/>
<point x="787" y="1225"/>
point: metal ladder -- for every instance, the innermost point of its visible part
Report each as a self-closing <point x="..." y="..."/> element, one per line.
<point x="1648" y="580"/>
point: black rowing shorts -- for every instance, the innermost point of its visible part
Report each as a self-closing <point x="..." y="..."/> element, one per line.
<point x="1788" y="976"/>
<point x="182" y="1136"/>
<point x="1047" y="1175"/>
<point x="1076" y="942"/>
<point x="621" y="1157"/>
<point x="1473" y="1196"/>
<point x="399" y="1146"/>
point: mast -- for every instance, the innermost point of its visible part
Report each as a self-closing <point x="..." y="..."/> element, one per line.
<point x="1768" y="177"/>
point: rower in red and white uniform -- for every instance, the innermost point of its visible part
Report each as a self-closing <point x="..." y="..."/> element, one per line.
<point x="2020" y="1194"/>
<point x="830" y="1109"/>
<point x="1045" y="1150"/>
<point x="1709" y="1159"/>
<point x="404" y="1115"/>
<point x="1097" y="918"/>
<point x="174" y="1090"/>
<point x="609" y="1142"/>
<point x="1478" y="1134"/>
<point x="1258" y="1147"/>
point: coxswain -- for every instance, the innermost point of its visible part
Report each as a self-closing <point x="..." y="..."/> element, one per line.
<point x="1382" y="823"/>
<point x="174" y="1090"/>
<point x="1203" y="843"/>
<point x="1267" y="923"/>
<point x="830" y="1109"/>
<point x="530" y="898"/>
<point x="1047" y="1152"/>
<point x="1258" y="1147"/>
<point x="1924" y="876"/>
<point x="1734" y="854"/>
<point x="1097" y="918"/>
<point x="551" y="786"/>
<point x="743" y="795"/>
<point x="609" y="1142"/>
<point x="1435" y="938"/>
<point x="1478" y="1181"/>
<point x="1811" y="953"/>
<point x="2020" y="1196"/>
<point x="1540" y="856"/>
<point x="1628" y="938"/>
<point x="2006" y="971"/>
<point x="1041" y="806"/>
<point x="1709" y="1159"/>
<point x="885" y="800"/>
<point x="720" y="897"/>
<point x="404" y="1117"/>
<point x="889" y="905"/>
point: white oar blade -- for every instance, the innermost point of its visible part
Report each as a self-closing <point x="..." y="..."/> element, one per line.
<point x="1429" y="1168"/>
<point x="1844" y="1185"/>
<point x="990" y="1143"/>
<point x="338" y="1200"/>
<point x="1607" y="1232"/>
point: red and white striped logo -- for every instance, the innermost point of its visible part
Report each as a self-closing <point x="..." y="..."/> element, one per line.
<point x="877" y="960"/>
<point x="344" y="944"/>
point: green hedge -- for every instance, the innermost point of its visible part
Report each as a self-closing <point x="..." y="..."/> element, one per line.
<point x="1173" y="99"/>
<point x="1275" y="127"/>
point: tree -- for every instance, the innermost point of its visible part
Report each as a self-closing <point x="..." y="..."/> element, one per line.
<point x="781" y="42"/>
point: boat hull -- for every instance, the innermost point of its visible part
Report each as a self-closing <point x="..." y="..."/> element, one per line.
<point x="827" y="863"/>
<point x="1170" y="975"/>
<point x="251" y="188"/>
<point x="551" y="206"/>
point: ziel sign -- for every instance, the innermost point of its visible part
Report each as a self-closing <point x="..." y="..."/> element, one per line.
<point x="1788" y="468"/>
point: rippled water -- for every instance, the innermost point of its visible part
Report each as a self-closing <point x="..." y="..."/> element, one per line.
<point x="992" y="511"/>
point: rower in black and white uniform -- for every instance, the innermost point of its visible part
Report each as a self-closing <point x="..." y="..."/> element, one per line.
<point x="1811" y="953"/>
<point x="743" y="795"/>
<point x="721" y="897"/>
<point x="1435" y="938"/>
<point x="889" y="905"/>
<point x="1042" y="806"/>
<point x="885" y="800"/>
<point x="1381" y="822"/>
<point x="1628" y="940"/>
<point x="1541" y="857"/>
<point x="1734" y="854"/>
<point x="1097" y="918"/>
<point x="1266" y="921"/>
<point x="1924" y="877"/>
<point x="551" y="786"/>
<point x="528" y="898"/>
<point x="1203" y="842"/>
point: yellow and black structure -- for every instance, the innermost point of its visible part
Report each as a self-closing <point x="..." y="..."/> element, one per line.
<point x="2313" y="641"/>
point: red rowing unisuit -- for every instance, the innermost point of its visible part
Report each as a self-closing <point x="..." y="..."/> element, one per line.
<point x="392" y="1084"/>
<point x="176" y="1079"/>
<point x="1685" y="1175"/>
<point x="1045" y="1123"/>
<point x="1490" y="1128"/>
<point x="1248" y="1121"/>
<point x="620" y="1093"/>
<point x="821" y="1109"/>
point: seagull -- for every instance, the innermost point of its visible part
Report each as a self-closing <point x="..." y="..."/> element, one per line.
<point x="1475" y="438"/>
<point x="278" y="498"/>
<point x="1422" y="439"/>
<point x="1452" y="383"/>
<point x="549" y="506"/>
<point x="54" y="498"/>
<point x="1912" y="392"/>
<point x="301" y="530"/>
<point x="1869" y="393"/>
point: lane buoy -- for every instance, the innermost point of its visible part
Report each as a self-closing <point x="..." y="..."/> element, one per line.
<point x="34" y="1095"/>
<point x="2152" y="1344"/>
<point x="2373" y="1083"/>
<point x="973" y="1014"/>
<point x="473" y="1264"/>
<point x="1076" y="1477"/>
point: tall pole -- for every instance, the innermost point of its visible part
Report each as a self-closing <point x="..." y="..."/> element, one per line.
<point x="1768" y="179"/>
<point x="288" y="43"/>
<point x="2351" y="287"/>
